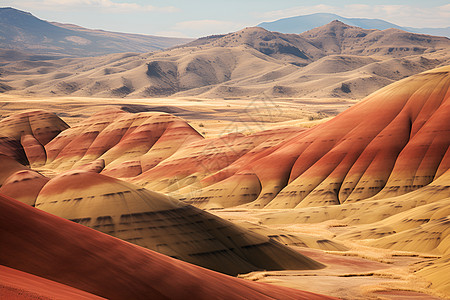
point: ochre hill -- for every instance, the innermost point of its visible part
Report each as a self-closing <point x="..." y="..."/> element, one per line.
<point x="379" y="170"/>
<point x="24" y="185"/>
<point x="437" y="273"/>
<point x="393" y="142"/>
<point x="118" y="137"/>
<point x="164" y="224"/>
<point x="416" y="222"/>
<point x="53" y="248"/>
<point x="24" y="135"/>
<point x="124" y="144"/>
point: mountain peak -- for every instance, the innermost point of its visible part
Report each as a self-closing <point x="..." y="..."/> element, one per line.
<point x="250" y="31"/>
<point x="336" y="29"/>
<point x="9" y="10"/>
<point x="255" y="28"/>
<point x="337" y="22"/>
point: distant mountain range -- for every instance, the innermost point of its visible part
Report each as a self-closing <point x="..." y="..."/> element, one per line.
<point x="24" y="36"/>
<point x="301" y="24"/>
<point x="22" y="32"/>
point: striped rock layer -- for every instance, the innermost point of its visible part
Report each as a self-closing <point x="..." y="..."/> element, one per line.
<point x="391" y="143"/>
<point x="52" y="248"/>
<point x="164" y="224"/>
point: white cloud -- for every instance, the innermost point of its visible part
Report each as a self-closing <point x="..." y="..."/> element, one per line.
<point x="109" y="5"/>
<point x="404" y="15"/>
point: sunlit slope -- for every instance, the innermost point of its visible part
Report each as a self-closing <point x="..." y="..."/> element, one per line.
<point x="24" y="135"/>
<point x="48" y="246"/>
<point x="395" y="141"/>
<point x="161" y="223"/>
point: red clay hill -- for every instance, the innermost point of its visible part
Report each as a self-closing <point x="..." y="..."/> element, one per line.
<point x="51" y="248"/>
<point x="112" y="172"/>
<point x="393" y="142"/>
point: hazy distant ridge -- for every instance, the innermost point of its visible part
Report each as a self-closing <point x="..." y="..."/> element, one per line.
<point x="303" y="23"/>
<point x="21" y="31"/>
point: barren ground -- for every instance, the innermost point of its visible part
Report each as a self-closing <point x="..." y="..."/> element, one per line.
<point x="362" y="272"/>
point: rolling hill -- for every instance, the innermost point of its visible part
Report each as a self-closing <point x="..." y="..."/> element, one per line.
<point x="120" y="209"/>
<point x="393" y="142"/>
<point x="75" y="260"/>
<point x="374" y="178"/>
<point x="335" y="60"/>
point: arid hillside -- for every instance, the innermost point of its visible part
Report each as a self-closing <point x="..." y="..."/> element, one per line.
<point x="371" y="182"/>
<point x="335" y="60"/>
<point x="77" y="262"/>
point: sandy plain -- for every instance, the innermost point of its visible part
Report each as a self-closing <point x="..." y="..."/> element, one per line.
<point x="211" y="117"/>
<point x="361" y="272"/>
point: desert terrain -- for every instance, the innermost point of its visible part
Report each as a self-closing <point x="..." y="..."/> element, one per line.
<point x="385" y="237"/>
<point x="248" y="165"/>
<point x="331" y="61"/>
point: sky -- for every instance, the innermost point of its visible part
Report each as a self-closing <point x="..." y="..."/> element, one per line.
<point x="196" y="18"/>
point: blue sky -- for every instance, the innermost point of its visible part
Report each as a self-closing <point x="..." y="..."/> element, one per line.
<point x="197" y="18"/>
